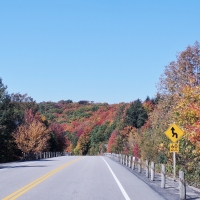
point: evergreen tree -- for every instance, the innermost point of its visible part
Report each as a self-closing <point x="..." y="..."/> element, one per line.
<point x="7" y="125"/>
<point x="147" y="99"/>
<point x="136" y="115"/>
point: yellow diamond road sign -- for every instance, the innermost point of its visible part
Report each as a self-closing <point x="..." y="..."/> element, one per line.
<point x="174" y="133"/>
<point x="174" y="147"/>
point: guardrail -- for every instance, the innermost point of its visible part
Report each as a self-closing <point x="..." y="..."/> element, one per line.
<point x="132" y="162"/>
<point x="43" y="155"/>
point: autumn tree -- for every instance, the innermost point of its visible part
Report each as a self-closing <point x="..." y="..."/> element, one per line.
<point x="148" y="105"/>
<point x="179" y="89"/>
<point x="182" y="72"/>
<point x="111" y="142"/>
<point x="136" y="151"/>
<point x="181" y="83"/>
<point x="32" y="136"/>
<point x="83" y="144"/>
<point x="58" y="139"/>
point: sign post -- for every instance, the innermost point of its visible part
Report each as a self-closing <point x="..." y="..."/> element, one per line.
<point x="174" y="133"/>
<point x="174" y="162"/>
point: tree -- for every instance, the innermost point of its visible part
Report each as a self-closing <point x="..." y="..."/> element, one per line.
<point x="110" y="129"/>
<point x="73" y="140"/>
<point x="58" y="141"/>
<point x="21" y="103"/>
<point x="183" y="72"/>
<point x="84" y="141"/>
<point x="136" y="115"/>
<point x="111" y="142"/>
<point x="148" y="105"/>
<point x="8" y="148"/>
<point x="31" y="136"/>
<point x="84" y="102"/>
<point x="179" y="102"/>
<point x="97" y="138"/>
<point x="136" y="151"/>
<point x="181" y="82"/>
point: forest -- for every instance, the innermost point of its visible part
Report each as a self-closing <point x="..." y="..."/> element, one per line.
<point x="135" y="128"/>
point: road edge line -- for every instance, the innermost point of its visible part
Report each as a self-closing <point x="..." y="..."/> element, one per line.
<point x="117" y="181"/>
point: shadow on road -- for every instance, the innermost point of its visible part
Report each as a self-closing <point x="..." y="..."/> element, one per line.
<point x="18" y="166"/>
<point x="36" y="160"/>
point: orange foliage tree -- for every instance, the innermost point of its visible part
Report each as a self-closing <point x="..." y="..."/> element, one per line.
<point x="32" y="136"/>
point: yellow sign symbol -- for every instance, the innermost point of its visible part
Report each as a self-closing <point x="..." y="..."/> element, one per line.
<point x="174" y="133"/>
<point x="174" y="147"/>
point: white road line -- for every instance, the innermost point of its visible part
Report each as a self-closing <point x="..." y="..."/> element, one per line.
<point x="118" y="183"/>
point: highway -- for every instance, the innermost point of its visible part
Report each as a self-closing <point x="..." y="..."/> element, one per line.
<point x="71" y="178"/>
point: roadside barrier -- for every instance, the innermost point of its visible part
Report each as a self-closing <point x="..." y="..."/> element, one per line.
<point x="163" y="176"/>
<point x="42" y="155"/>
<point x="131" y="162"/>
<point x="152" y="171"/>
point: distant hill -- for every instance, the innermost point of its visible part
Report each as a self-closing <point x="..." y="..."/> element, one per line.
<point x="94" y="121"/>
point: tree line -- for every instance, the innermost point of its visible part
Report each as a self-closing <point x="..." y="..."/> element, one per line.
<point x="23" y="130"/>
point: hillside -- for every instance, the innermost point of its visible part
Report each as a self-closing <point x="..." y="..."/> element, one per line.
<point x="88" y="126"/>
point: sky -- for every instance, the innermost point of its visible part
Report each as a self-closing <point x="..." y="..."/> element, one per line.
<point x="97" y="50"/>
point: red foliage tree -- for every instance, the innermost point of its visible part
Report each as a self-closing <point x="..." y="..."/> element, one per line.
<point x="58" y="137"/>
<point x="111" y="141"/>
<point x="136" y="151"/>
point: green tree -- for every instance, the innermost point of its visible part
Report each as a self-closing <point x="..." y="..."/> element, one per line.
<point x="7" y="126"/>
<point x="21" y="102"/>
<point x="97" y="138"/>
<point x="136" y="115"/>
<point x="110" y="129"/>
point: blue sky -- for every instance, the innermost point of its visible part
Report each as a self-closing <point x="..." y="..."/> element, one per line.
<point x="98" y="50"/>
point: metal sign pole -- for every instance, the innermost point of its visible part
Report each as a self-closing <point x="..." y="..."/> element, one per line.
<point x="174" y="163"/>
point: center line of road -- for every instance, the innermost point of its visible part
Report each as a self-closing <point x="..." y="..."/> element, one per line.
<point x="27" y="187"/>
<point x="118" y="183"/>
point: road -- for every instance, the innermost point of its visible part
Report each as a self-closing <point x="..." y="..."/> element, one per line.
<point x="71" y="178"/>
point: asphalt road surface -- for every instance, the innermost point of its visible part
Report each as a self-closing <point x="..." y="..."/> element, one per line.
<point x="72" y="178"/>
